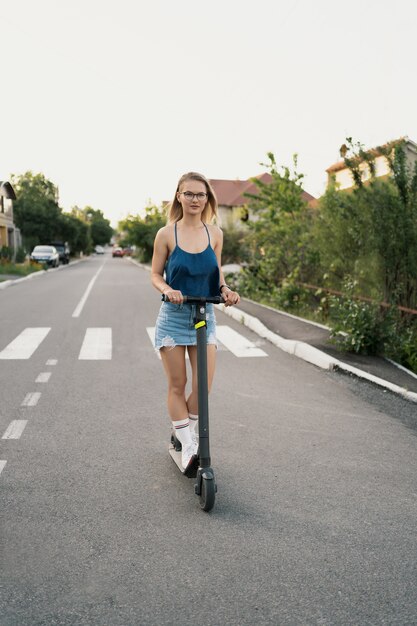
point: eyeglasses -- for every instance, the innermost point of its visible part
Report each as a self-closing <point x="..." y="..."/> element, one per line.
<point x="190" y="196"/>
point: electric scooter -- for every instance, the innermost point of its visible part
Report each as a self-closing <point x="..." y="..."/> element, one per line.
<point x="205" y="486"/>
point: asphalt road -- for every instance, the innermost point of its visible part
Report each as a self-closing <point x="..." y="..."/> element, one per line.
<point x="315" y="517"/>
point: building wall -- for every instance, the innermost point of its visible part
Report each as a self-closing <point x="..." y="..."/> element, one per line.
<point x="9" y="234"/>
<point x="344" y="177"/>
<point x="3" y="235"/>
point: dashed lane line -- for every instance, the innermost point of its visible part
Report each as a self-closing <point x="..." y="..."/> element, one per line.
<point x="31" y="399"/>
<point x="43" y="377"/>
<point x="15" y="429"/>
<point x="2" y="464"/>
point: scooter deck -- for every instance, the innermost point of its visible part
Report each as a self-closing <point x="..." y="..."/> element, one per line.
<point x="176" y="457"/>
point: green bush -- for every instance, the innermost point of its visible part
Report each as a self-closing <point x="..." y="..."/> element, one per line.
<point x="235" y="248"/>
<point x="6" y="254"/>
<point x="20" y="255"/>
<point x="361" y="327"/>
<point x="403" y="347"/>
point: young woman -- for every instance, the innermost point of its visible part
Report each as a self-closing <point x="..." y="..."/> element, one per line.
<point x="188" y="250"/>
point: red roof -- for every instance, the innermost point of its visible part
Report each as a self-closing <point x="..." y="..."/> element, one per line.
<point x="230" y="192"/>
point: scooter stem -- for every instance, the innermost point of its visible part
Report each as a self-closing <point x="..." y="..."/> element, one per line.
<point x="203" y="412"/>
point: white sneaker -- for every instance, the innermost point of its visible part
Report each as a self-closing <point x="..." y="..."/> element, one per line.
<point x="194" y="437"/>
<point x="188" y="455"/>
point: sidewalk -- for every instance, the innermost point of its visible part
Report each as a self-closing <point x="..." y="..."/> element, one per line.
<point x="310" y="342"/>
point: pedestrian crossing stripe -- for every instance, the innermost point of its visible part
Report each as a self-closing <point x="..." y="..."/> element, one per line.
<point x="239" y="345"/>
<point x="97" y="343"/>
<point x="25" y="344"/>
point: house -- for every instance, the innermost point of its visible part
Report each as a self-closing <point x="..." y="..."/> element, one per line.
<point x="234" y="206"/>
<point x="9" y="234"/>
<point x="340" y="173"/>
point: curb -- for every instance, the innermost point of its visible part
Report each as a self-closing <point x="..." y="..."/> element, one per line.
<point x="310" y="354"/>
<point x="10" y="283"/>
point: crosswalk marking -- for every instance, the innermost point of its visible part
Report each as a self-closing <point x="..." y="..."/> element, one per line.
<point x="97" y="345"/>
<point x="151" y="334"/>
<point x="15" y="429"/>
<point x="31" y="399"/>
<point x="25" y="344"/>
<point x="239" y="345"/>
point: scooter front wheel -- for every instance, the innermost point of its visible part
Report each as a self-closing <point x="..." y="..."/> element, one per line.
<point x="208" y="493"/>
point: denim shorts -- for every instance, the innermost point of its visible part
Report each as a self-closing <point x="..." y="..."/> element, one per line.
<point x="175" y="325"/>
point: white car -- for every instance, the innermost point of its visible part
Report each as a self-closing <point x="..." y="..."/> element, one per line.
<point x="99" y="250"/>
<point x="45" y="254"/>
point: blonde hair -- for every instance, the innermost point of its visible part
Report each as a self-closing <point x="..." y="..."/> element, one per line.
<point x="175" y="212"/>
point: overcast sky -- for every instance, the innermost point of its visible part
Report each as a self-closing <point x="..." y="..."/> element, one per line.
<point x="114" y="100"/>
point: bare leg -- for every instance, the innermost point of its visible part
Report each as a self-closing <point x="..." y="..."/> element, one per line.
<point x="192" y="401"/>
<point x="173" y="360"/>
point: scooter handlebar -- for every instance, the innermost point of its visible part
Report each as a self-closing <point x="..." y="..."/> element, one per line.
<point x="198" y="299"/>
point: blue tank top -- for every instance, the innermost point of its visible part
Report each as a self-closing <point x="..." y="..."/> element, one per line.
<point x="194" y="274"/>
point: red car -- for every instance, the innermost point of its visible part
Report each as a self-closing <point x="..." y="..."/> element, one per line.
<point x="117" y="252"/>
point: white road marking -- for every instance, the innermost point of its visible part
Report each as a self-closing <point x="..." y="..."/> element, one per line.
<point x="2" y="464"/>
<point x="151" y="334"/>
<point x="31" y="399"/>
<point x="25" y="344"/>
<point x="237" y="343"/>
<point x="80" y="305"/>
<point x="51" y="362"/>
<point x="97" y="345"/>
<point x="43" y="377"/>
<point x="15" y="429"/>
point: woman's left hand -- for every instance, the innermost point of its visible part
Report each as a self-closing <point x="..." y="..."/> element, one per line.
<point x="230" y="297"/>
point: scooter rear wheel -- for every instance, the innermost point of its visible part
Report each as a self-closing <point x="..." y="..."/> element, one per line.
<point x="208" y="494"/>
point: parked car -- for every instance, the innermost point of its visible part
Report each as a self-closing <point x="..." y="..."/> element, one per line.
<point x="63" y="250"/>
<point x="99" y="250"/>
<point x="117" y="252"/>
<point x="45" y="254"/>
<point x="127" y="251"/>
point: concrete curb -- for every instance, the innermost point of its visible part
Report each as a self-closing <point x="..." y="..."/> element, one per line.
<point x="11" y="283"/>
<point x="309" y="353"/>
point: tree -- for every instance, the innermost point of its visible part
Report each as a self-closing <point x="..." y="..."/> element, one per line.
<point x="36" y="210"/>
<point x="370" y="233"/>
<point x="279" y="234"/>
<point x="75" y="232"/>
<point x="100" y="228"/>
<point x="140" y="231"/>
<point x="341" y="232"/>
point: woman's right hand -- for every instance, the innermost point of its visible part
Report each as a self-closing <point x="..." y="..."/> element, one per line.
<point x="173" y="295"/>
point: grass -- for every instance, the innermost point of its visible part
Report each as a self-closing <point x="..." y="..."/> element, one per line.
<point x="18" y="269"/>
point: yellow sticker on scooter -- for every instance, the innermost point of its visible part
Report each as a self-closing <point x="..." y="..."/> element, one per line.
<point x="199" y="324"/>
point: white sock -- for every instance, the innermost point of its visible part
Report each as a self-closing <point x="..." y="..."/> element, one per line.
<point x="193" y="422"/>
<point x="182" y="431"/>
